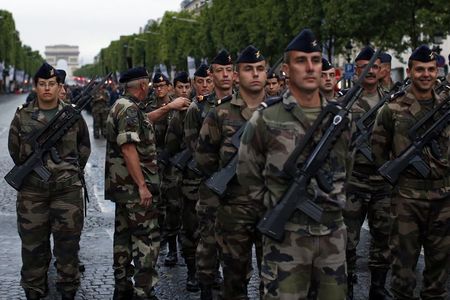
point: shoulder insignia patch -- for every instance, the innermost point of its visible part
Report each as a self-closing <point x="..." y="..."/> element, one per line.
<point x="224" y="99"/>
<point x="132" y="116"/>
<point x="270" y="101"/>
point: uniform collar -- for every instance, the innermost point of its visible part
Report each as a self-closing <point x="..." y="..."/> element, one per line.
<point x="414" y="105"/>
<point x="290" y="104"/>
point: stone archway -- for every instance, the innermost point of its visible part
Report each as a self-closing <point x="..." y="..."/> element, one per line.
<point x="56" y="53"/>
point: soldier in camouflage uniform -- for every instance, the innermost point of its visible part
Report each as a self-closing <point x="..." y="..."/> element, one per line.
<point x="328" y="80"/>
<point x="54" y="207"/>
<point x="420" y="206"/>
<point x="385" y="78"/>
<point x="235" y="222"/>
<point x="200" y="106"/>
<point x="159" y="112"/>
<point x="100" y="112"/>
<point x="174" y="145"/>
<point x="172" y="177"/>
<point x="132" y="182"/>
<point x="310" y="251"/>
<point x="368" y="194"/>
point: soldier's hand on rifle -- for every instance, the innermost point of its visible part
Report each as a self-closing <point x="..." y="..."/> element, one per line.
<point x="180" y="103"/>
<point x="145" y="195"/>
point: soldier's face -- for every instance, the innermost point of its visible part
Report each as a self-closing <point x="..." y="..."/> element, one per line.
<point x="47" y="89"/>
<point x="62" y="93"/>
<point x="252" y="77"/>
<point x="423" y="75"/>
<point x="304" y="70"/>
<point x="374" y="72"/>
<point x="203" y="85"/>
<point x="222" y="76"/>
<point x="272" y="86"/>
<point x="161" y="89"/>
<point x="328" y="80"/>
<point x="385" y="70"/>
<point x="182" y="89"/>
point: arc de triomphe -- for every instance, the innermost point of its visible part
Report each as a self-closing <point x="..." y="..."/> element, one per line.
<point x="70" y="54"/>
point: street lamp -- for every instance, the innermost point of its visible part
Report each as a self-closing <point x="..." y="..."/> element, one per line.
<point x="438" y="40"/>
<point x="348" y="51"/>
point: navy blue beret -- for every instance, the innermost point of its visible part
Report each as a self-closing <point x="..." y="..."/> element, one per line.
<point x="133" y="74"/>
<point x="250" y="55"/>
<point x="202" y="71"/>
<point x="160" y="77"/>
<point x="385" y="58"/>
<point x="271" y="75"/>
<point x="365" y="54"/>
<point x="222" y="58"/>
<point x="182" y="77"/>
<point x="423" y="54"/>
<point x="326" y="65"/>
<point x="61" y="74"/>
<point x="46" y="71"/>
<point x="305" y="41"/>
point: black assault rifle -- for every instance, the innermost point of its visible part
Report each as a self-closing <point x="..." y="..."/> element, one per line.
<point x="296" y="196"/>
<point x="44" y="141"/>
<point x="361" y="138"/>
<point x="219" y="180"/>
<point x="392" y="169"/>
<point x="181" y="159"/>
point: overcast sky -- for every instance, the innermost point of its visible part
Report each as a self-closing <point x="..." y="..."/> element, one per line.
<point x="89" y="24"/>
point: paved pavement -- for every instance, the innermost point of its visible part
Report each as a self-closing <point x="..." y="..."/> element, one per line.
<point x="96" y="242"/>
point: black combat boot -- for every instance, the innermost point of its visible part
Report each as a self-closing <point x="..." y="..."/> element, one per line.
<point x="123" y="295"/>
<point x="377" y="284"/>
<point x="206" y="292"/>
<point x="172" y="256"/>
<point x="351" y="280"/>
<point x="33" y="295"/>
<point x="68" y="295"/>
<point x="191" y="281"/>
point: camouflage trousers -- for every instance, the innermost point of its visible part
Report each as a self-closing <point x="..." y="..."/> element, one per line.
<point x="189" y="230"/>
<point x="289" y="267"/>
<point x="416" y="224"/>
<point x="207" y="254"/>
<point x="236" y="240"/>
<point x="362" y="201"/>
<point x="136" y="239"/>
<point x="172" y="194"/>
<point x="99" y="118"/>
<point x="41" y="213"/>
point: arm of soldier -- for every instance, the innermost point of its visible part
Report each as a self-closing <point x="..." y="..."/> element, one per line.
<point x="208" y="144"/>
<point x="84" y="143"/>
<point x="132" y="162"/>
<point x="179" y="103"/>
<point x="382" y="134"/>
<point x="252" y="159"/>
<point x="192" y="124"/>
<point x="13" y="138"/>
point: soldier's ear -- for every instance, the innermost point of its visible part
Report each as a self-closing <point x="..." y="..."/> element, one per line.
<point x="285" y="68"/>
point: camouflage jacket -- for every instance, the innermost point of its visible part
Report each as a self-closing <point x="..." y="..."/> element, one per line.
<point x="193" y="121"/>
<point x="269" y="138"/>
<point x="174" y="140"/>
<point x="74" y="147"/>
<point x="126" y="123"/>
<point x="100" y="102"/>
<point x="390" y="138"/>
<point x="160" y="125"/>
<point x="359" y="163"/>
<point x="215" y="148"/>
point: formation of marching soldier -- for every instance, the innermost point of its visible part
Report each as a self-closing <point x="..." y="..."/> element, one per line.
<point x="241" y="158"/>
